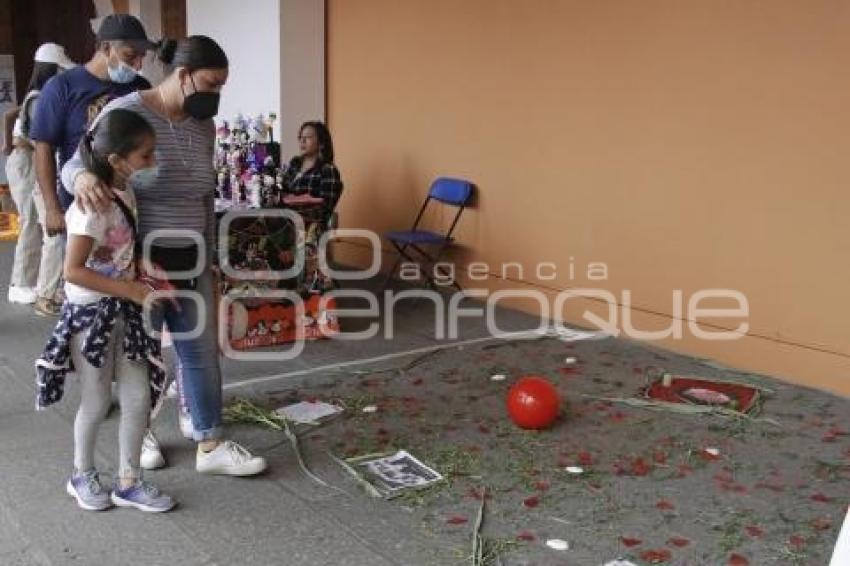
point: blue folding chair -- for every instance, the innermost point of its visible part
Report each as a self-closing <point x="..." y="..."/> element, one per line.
<point x="451" y="192"/>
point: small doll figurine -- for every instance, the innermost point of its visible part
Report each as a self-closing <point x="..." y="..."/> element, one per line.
<point x="276" y="326"/>
<point x="223" y="132"/>
<point x="261" y="328"/>
<point x="255" y="191"/>
<point x="259" y="130"/>
<point x="233" y="159"/>
<point x="269" y="122"/>
<point x="221" y="182"/>
<point x="235" y="195"/>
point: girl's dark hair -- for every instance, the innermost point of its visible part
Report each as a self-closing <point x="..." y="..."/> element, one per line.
<point x="195" y="52"/>
<point x="118" y="131"/>
<point x="323" y="135"/>
<point x="41" y="73"/>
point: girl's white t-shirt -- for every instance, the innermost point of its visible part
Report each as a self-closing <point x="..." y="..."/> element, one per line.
<point x="112" y="253"/>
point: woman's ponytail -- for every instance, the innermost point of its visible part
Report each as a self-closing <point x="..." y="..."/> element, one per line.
<point x="165" y="50"/>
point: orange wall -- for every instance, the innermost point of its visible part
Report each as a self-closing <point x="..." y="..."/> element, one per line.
<point x="687" y="145"/>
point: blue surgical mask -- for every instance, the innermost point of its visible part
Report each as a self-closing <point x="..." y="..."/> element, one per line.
<point x="143" y="178"/>
<point x="123" y="74"/>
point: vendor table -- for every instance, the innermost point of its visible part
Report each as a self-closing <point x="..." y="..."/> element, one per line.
<point x="262" y="243"/>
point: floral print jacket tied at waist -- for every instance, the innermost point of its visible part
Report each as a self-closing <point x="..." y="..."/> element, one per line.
<point x="98" y="319"/>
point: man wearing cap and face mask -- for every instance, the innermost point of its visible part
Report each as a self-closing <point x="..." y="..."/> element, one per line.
<point x="70" y="101"/>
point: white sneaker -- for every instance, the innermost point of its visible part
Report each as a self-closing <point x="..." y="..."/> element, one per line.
<point x="186" y="428"/>
<point x="152" y="457"/>
<point x="229" y="459"/>
<point x="22" y="295"/>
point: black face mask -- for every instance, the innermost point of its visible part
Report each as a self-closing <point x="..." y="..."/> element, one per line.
<point x="201" y="105"/>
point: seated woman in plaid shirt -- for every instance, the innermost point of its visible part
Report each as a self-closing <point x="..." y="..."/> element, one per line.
<point x="314" y="171"/>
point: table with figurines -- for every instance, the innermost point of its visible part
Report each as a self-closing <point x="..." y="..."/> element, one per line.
<point x="262" y="241"/>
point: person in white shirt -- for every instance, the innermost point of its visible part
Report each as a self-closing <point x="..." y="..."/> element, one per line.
<point x="100" y="334"/>
<point x="37" y="266"/>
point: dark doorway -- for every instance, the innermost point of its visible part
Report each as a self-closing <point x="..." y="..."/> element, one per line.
<point x="66" y="22"/>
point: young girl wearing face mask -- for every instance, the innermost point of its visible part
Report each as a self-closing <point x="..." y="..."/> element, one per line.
<point x="176" y="211"/>
<point x="100" y="335"/>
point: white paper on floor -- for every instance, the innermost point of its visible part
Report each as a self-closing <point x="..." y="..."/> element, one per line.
<point x="391" y="475"/>
<point x="308" y="412"/>
<point x="841" y="554"/>
<point x="565" y="334"/>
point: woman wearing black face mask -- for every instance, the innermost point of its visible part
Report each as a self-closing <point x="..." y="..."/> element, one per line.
<point x="180" y="197"/>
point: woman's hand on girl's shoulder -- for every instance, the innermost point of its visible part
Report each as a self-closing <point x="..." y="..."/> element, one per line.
<point x="91" y="194"/>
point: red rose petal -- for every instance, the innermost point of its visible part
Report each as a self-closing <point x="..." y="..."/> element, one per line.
<point x="775" y="487"/>
<point x="738" y="560"/>
<point x="456" y="520"/>
<point x="664" y="505"/>
<point x="630" y="542"/>
<point x="708" y="456"/>
<point x="723" y="477"/>
<point x="585" y="458"/>
<point x="639" y="467"/>
<point x="821" y="524"/>
<point x="531" y="502"/>
<point x="679" y="541"/>
<point x="476" y="494"/>
<point x="525" y="536"/>
<point x="418" y="381"/>
<point x="796" y="541"/>
<point x="656" y="556"/>
<point x="660" y="457"/>
<point x="821" y="498"/>
<point x="616" y="417"/>
<point x="754" y="531"/>
<point x="541" y="485"/>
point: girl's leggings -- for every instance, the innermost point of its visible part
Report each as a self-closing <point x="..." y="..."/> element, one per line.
<point x="133" y="394"/>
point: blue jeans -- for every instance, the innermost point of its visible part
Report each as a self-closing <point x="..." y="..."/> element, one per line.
<point x="198" y="356"/>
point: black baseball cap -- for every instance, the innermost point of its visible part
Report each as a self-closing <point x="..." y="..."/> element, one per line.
<point x="123" y="27"/>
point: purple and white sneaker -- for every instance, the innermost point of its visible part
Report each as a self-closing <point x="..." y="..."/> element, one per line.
<point x="143" y="496"/>
<point x="86" y="489"/>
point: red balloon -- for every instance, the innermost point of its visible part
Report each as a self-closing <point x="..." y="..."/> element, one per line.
<point x="533" y="403"/>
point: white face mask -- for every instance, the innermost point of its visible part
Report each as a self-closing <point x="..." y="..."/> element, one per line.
<point x="143" y="178"/>
<point x="122" y="74"/>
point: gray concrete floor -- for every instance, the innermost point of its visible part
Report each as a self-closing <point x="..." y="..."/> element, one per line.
<point x="776" y="495"/>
